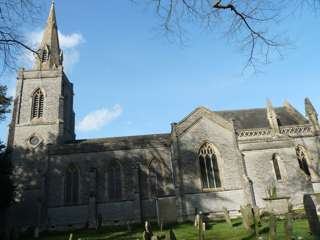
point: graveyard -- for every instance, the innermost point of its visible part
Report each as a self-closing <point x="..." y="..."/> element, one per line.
<point x="251" y="224"/>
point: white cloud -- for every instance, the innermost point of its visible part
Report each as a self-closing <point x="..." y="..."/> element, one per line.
<point x="99" y="118"/>
<point x="68" y="43"/>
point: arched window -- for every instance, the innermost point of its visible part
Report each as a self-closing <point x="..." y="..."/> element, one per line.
<point x="275" y="162"/>
<point x="72" y="185"/>
<point x="156" y="178"/>
<point x="114" y="181"/>
<point x="37" y="104"/>
<point x="302" y="159"/>
<point x="210" y="175"/>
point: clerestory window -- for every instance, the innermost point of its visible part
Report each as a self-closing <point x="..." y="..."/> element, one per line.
<point x="209" y="168"/>
<point x="37" y="104"/>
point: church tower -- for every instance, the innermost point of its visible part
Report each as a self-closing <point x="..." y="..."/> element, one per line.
<point x="42" y="114"/>
<point x="43" y="108"/>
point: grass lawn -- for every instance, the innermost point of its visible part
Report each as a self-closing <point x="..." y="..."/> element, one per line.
<point x="215" y="231"/>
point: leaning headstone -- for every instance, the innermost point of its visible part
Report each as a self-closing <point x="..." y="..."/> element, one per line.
<point x="227" y="216"/>
<point x="70" y="236"/>
<point x="312" y="216"/>
<point x="272" y="227"/>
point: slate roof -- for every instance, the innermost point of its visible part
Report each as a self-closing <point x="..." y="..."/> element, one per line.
<point x="257" y="118"/>
<point x="112" y="143"/>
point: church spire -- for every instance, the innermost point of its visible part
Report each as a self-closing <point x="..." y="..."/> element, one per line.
<point x="49" y="54"/>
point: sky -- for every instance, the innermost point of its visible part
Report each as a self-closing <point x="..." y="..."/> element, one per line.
<point x="129" y="79"/>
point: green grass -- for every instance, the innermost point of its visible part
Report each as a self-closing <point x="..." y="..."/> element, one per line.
<point x="216" y="231"/>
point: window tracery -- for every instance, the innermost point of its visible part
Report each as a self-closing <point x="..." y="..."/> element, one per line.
<point x="209" y="169"/>
<point x="302" y="159"/>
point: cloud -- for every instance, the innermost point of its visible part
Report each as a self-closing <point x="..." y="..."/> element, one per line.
<point x="68" y="42"/>
<point x="98" y="119"/>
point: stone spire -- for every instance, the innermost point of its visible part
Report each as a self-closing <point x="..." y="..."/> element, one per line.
<point x="50" y="55"/>
<point x="272" y="118"/>
<point x="312" y="114"/>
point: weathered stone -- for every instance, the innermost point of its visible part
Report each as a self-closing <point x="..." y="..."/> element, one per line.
<point x="312" y="216"/>
<point x="247" y="217"/>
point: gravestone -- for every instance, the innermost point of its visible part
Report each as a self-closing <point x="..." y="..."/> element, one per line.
<point x="247" y="217"/>
<point x="227" y="216"/>
<point x="272" y="227"/>
<point x="288" y="224"/>
<point x="312" y="216"/>
<point x="147" y="234"/>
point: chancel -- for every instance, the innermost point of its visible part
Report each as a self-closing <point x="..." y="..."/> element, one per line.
<point x="213" y="161"/>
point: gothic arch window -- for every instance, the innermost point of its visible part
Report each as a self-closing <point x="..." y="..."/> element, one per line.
<point x="302" y="159"/>
<point x="37" y="104"/>
<point x="156" y="178"/>
<point x="72" y="185"/>
<point x="275" y="163"/>
<point x="209" y="168"/>
<point x="114" y="181"/>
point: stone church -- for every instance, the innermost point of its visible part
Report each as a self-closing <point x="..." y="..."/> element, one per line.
<point x="209" y="160"/>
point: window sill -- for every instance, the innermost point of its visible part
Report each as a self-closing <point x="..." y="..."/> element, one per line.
<point x="220" y="189"/>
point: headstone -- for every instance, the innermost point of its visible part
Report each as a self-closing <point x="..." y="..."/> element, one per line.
<point x="36" y="232"/>
<point x="312" y="216"/>
<point x="147" y="234"/>
<point x="70" y="236"/>
<point x="227" y="216"/>
<point x="200" y="227"/>
<point x="272" y="227"/>
<point x="288" y="224"/>
<point x="171" y="235"/>
<point x="247" y="217"/>
<point x="196" y="221"/>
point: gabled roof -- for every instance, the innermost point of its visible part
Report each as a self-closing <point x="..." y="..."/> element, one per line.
<point x="112" y="144"/>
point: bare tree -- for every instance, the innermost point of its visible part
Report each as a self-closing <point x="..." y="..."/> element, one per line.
<point x="249" y="23"/>
<point x="15" y="15"/>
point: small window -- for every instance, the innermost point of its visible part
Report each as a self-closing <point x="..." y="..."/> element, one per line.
<point x="275" y="162"/>
<point x="37" y="104"/>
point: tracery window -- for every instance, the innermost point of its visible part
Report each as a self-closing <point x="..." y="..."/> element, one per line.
<point x="302" y="159"/>
<point x="275" y="162"/>
<point x="210" y="175"/>
<point x="156" y="178"/>
<point x="72" y="185"/>
<point x="37" y="104"/>
<point x="114" y="181"/>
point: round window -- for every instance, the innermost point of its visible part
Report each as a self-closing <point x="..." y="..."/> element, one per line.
<point x="34" y="140"/>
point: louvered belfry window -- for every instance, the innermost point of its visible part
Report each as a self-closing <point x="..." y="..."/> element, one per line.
<point x="37" y="104"/>
<point x="210" y="175"/>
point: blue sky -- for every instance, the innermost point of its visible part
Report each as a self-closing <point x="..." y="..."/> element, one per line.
<point x="132" y="80"/>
